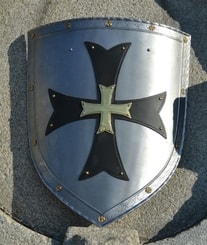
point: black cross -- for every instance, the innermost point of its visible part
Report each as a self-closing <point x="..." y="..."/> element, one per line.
<point x="104" y="155"/>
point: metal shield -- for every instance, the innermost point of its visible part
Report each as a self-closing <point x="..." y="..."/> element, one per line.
<point x="107" y="106"/>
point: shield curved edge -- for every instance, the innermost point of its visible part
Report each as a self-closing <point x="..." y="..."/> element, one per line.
<point x="106" y="111"/>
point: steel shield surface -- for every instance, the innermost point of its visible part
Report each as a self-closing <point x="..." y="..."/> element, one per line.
<point x="107" y="104"/>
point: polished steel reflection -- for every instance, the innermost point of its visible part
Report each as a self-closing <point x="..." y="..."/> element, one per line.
<point x="157" y="61"/>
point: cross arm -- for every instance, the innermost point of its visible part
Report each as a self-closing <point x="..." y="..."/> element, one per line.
<point x="66" y="109"/>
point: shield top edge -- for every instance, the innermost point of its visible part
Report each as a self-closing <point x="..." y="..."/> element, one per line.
<point x="111" y="23"/>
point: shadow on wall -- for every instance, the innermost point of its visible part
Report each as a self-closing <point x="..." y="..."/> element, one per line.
<point x="191" y="16"/>
<point x="194" y="158"/>
<point x="33" y="205"/>
<point x="76" y="240"/>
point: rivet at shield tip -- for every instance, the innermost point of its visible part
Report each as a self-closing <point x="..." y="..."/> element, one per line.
<point x="68" y="25"/>
<point x="123" y="48"/>
<point x="160" y="128"/>
<point x="101" y="219"/>
<point x="152" y="27"/>
<point x="92" y="47"/>
<point x="53" y="95"/>
<point x="122" y="173"/>
<point x="58" y="187"/>
<point x="34" y="142"/>
<point x="148" y="189"/>
<point x="87" y="172"/>
<point x="160" y="98"/>
<point x="51" y="125"/>
<point x="108" y="23"/>
<point x="31" y="87"/>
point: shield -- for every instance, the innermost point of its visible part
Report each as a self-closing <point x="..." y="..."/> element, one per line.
<point x="107" y="106"/>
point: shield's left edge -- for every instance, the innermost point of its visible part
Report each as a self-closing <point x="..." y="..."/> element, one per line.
<point x="47" y="177"/>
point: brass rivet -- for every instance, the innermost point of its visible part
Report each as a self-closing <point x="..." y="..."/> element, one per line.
<point x="87" y="172"/>
<point x="68" y="25"/>
<point x="58" y="187"/>
<point x="34" y="142"/>
<point x="152" y="27"/>
<point x="185" y="39"/>
<point x="183" y="91"/>
<point x="32" y="35"/>
<point x="101" y="219"/>
<point x="148" y="189"/>
<point x="53" y="95"/>
<point x="108" y="23"/>
<point x="31" y="87"/>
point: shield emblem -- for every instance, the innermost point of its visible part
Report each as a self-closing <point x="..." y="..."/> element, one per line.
<point x="107" y="105"/>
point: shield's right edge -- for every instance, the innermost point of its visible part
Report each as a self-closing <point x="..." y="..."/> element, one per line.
<point x="180" y="117"/>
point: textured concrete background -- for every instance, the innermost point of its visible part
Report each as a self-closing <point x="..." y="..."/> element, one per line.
<point x="181" y="204"/>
